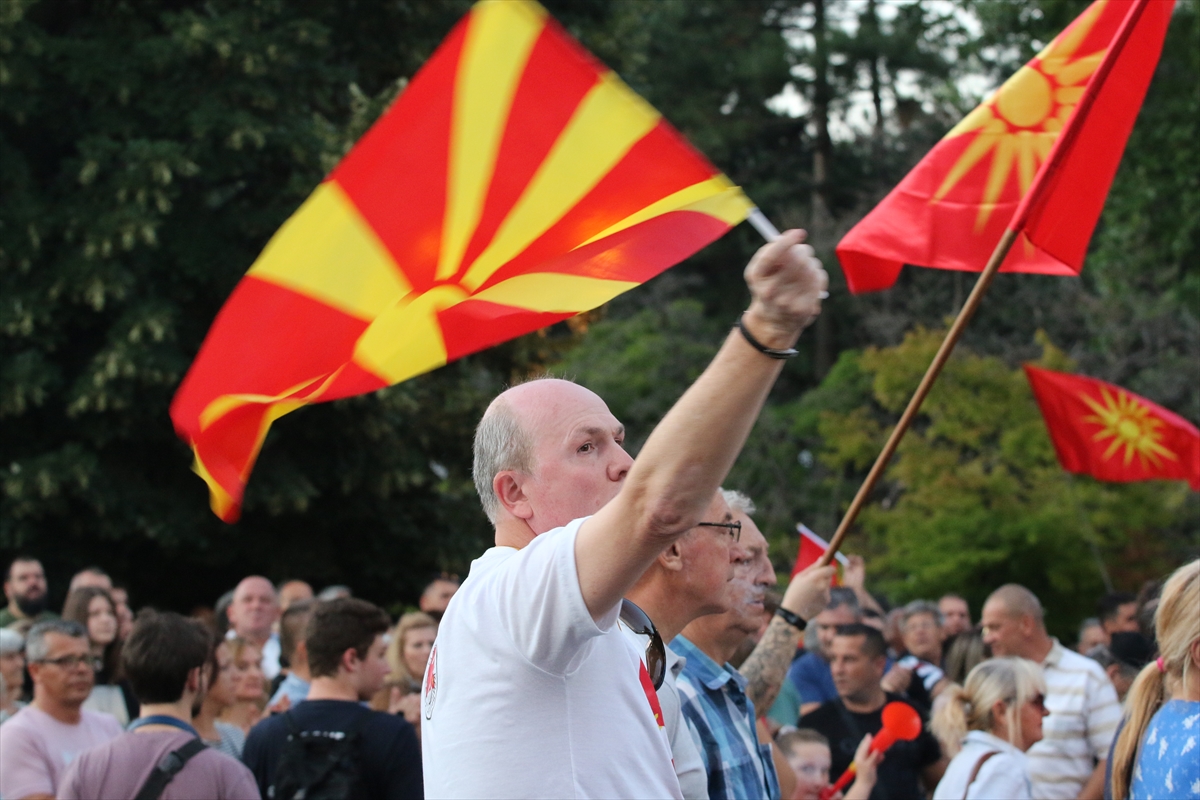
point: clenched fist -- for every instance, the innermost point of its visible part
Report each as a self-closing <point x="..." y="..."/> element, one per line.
<point x="786" y="284"/>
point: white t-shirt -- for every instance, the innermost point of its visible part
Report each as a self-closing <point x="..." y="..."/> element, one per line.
<point x="525" y="695"/>
<point x="35" y="748"/>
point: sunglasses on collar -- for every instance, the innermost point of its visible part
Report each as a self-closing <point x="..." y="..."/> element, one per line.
<point x="656" y="652"/>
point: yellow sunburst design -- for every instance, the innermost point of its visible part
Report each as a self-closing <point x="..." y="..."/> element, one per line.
<point x="1129" y="424"/>
<point x="1021" y="121"/>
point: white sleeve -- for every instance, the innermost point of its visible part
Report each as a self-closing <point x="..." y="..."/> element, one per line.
<point x="1103" y="714"/>
<point x="1000" y="777"/>
<point x="537" y="598"/>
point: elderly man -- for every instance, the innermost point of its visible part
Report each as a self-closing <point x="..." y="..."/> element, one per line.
<point x="40" y="740"/>
<point x="1069" y="760"/>
<point x="252" y="615"/>
<point x="956" y="614"/>
<point x="25" y="588"/>
<point x="719" y="703"/>
<point x="531" y="636"/>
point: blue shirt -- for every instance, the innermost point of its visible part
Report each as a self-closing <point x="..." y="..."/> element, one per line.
<point x="811" y="676"/>
<point x="1169" y="763"/>
<point x="721" y="719"/>
<point x="294" y="688"/>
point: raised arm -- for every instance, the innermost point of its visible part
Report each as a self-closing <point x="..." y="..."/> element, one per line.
<point x="690" y="452"/>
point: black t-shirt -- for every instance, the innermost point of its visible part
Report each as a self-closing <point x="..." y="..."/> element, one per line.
<point x="900" y="770"/>
<point x="391" y="756"/>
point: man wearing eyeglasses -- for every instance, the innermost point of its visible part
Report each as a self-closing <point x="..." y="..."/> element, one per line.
<point x="531" y="689"/>
<point x="40" y="740"/>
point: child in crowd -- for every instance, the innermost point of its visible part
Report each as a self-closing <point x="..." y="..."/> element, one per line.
<point x="807" y="751"/>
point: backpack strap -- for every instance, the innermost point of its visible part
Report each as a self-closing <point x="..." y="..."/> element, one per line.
<point x="975" y="770"/>
<point x="167" y="768"/>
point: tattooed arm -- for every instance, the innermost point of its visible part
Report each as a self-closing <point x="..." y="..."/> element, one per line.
<point x="768" y="663"/>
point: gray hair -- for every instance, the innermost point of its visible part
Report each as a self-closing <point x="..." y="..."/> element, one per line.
<point x="36" y="648"/>
<point x="10" y="642"/>
<point x="922" y="607"/>
<point x="500" y="444"/>
<point x="738" y="502"/>
<point x="843" y="596"/>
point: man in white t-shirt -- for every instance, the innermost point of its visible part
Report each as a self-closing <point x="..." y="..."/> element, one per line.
<point x="1069" y="761"/>
<point x="39" y="741"/>
<point x="531" y="689"/>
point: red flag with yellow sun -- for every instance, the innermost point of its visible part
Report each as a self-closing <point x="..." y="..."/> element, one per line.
<point x="515" y="183"/>
<point x="1113" y="435"/>
<point x="1037" y="158"/>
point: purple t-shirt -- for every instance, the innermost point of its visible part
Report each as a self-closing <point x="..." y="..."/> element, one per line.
<point x="35" y="748"/>
<point x="118" y="769"/>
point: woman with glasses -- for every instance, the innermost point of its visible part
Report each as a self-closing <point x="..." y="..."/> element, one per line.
<point x="994" y="719"/>
<point x="94" y="609"/>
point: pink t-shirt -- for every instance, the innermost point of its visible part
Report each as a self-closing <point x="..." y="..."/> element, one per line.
<point x="119" y="768"/>
<point x="35" y="749"/>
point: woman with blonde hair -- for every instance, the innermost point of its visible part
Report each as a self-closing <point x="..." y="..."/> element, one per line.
<point x="994" y="718"/>
<point x="1156" y="754"/>
<point x="249" y="685"/>
<point x="407" y="653"/>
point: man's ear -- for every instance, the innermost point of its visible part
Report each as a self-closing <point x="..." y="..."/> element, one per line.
<point x="350" y="660"/>
<point x="195" y="679"/>
<point x="671" y="559"/>
<point x="509" y="489"/>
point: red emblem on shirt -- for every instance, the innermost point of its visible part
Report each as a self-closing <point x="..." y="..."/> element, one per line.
<point x="651" y="695"/>
<point x="429" y="694"/>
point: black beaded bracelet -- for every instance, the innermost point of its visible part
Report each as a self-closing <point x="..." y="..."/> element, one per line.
<point x="795" y="620"/>
<point x="791" y="352"/>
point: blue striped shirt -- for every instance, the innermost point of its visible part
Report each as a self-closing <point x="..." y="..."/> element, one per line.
<point x="721" y="719"/>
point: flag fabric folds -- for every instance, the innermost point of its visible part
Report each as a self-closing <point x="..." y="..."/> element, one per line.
<point x="1114" y="435"/>
<point x="812" y="547"/>
<point x="515" y="183"/>
<point x="1051" y="137"/>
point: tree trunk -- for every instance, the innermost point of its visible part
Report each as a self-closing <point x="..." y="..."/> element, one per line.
<point x="822" y="223"/>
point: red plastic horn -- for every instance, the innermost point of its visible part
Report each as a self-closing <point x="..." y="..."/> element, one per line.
<point x="901" y="723"/>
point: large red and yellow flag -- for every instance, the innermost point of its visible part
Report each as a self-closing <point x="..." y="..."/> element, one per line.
<point x="516" y="182"/>
<point x="1104" y="431"/>
<point x="1037" y="158"/>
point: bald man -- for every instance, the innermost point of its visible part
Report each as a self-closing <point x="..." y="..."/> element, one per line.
<point x="252" y="616"/>
<point x="532" y="690"/>
<point x="1069" y="760"/>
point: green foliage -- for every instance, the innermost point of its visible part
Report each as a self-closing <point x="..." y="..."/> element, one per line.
<point x="975" y="496"/>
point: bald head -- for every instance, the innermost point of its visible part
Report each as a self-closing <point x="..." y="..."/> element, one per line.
<point x="547" y="452"/>
<point x="1017" y="601"/>
<point x="254" y="609"/>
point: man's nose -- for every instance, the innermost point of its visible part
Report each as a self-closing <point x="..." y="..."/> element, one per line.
<point x="618" y="468"/>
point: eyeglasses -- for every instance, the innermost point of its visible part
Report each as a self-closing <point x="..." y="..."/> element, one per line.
<point x="656" y="652"/>
<point x="1038" y="701"/>
<point x="69" y="662"/>
<point x="733" y="528"/>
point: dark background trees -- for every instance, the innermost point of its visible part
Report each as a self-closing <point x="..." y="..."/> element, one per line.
<point x="149" y="150"/>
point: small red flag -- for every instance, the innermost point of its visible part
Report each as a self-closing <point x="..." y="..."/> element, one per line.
<point x="1114" y="435"/>
<point x="1038" y="157"/>
<point x="812" y="547"/>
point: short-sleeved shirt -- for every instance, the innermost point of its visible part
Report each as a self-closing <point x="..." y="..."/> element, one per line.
<point x="1169" y="761"/>
<point x="230" y="740"/>
<point x="811" y="676"/>
<point x="7" y="617"/>
<point x="1084" y="714"/>
<point x="35" y="748"/>
<point x="293" y="688"/>
<point x="117" y="769"/>
<point x="526" y="695"/>
<point x="721" y="719"/>
<point x="390" y="757"/>
<point x="899" y="772"/>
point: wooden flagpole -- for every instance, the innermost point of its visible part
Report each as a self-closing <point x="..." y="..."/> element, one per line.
<point x="914" y="405"/>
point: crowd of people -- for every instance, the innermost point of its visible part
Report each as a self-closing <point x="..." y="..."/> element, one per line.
<point x="624" y="638"/>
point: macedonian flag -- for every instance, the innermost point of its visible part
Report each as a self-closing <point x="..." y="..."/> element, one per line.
<point x="516" y="182"/>
<point x="1104" y="431"/>
<point x="1037" y="158"/>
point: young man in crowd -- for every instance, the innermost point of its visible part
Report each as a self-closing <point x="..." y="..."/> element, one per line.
<point x="165" y="661"/>
<point x="1118" y="613"/>
<point x="1069" y="761"/>
<point x="810" y="672"/>
<point x="346" y="645"/>
<point x="40" y="740"/>
<point x="293" y="591"/>
<point x="531" y="636"/>
<point x="437" y="594"/>
<point x="252" y="616"/>
<point x="292" y="627"/>
<point x="956" y="614"/>
<point x="858" y="658"/>
<point x="719" y="702"/>
<point x="25" y="587"/>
